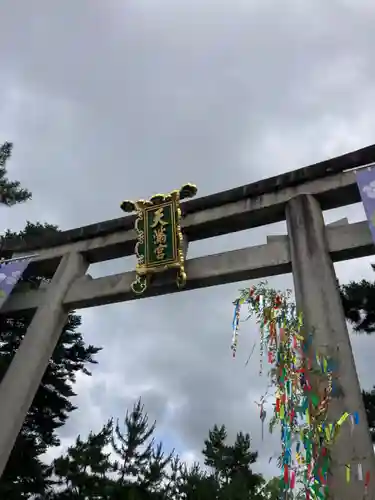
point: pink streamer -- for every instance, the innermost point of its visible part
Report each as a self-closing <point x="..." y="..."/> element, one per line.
<point x="292" y="480"/>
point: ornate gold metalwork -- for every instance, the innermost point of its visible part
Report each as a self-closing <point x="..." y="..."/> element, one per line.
<point x="160" y="242"/>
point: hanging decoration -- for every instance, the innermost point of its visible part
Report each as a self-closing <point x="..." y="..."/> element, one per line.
<point x="11" y="272"/>
<point x="303" y="389"/>
<point x="160" y="243"/>
<point x="365" y="178"/>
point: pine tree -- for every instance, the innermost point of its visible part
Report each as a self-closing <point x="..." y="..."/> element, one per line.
<point x="228" y="475"/>
<point x="138" y="459"/>
<point x="231" y="465"/>
<point x="195" y="484"/>
<point x="358" y="299"/>
<point x="25" y="473"/>
<point x="83" y="472"/>
<point x="215" y="452"/>
<point x="272" y="489"/>
<point x="126" y="463"/>
<point x="133" y="467"/>
<point x="369" y="401"/>
<point x="11" y="192"/>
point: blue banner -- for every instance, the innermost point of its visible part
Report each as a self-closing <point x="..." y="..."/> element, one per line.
<point x="10" y="273"/>
<point x="366" y="185"/>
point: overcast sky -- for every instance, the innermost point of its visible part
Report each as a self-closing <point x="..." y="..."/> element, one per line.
<point x="108" y="100"/>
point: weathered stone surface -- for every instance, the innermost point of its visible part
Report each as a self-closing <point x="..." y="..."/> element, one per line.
<point x="344" y="241"/>
<point x="22" y="379"/>
<point x="319" y="170"/>
<point x="318" y="297"/>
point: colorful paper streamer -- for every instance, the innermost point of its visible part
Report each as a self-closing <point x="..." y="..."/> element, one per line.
<point x="301" y="412"/>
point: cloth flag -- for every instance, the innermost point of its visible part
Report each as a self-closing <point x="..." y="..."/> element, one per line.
<point x="10" y="273"/>
<point x="366" y="185"/>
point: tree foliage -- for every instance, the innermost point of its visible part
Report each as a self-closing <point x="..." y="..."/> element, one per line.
<point x="358" y="299"/>
<point x="272" y="489"/>
<point x="82" y="471"/>
<point x="127" y="463"/>
<point x="369" y="401"/>
<point x="231" y="464"/>
<point x="11" y="192"/>
<point x="138" y="458"/>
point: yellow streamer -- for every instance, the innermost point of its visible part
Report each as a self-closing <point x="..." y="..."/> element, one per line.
<point x="342" y="419"/>
<point x="300" y="320"/>
<point x="348" y="473"/>
<point x="328" y="433"/>
<point x="282" y="412"/>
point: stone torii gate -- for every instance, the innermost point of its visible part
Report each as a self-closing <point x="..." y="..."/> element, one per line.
<point x="308" y="251"/>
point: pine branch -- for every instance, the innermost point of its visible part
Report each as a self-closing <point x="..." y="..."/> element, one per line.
<point x="11" y="192"/>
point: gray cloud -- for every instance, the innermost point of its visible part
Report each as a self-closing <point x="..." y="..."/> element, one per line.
<point x="115" y="100"/>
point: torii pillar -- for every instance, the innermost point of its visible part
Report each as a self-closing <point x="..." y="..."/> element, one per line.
<point x="24" y="375"/>
<point x="318" y="297"/>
